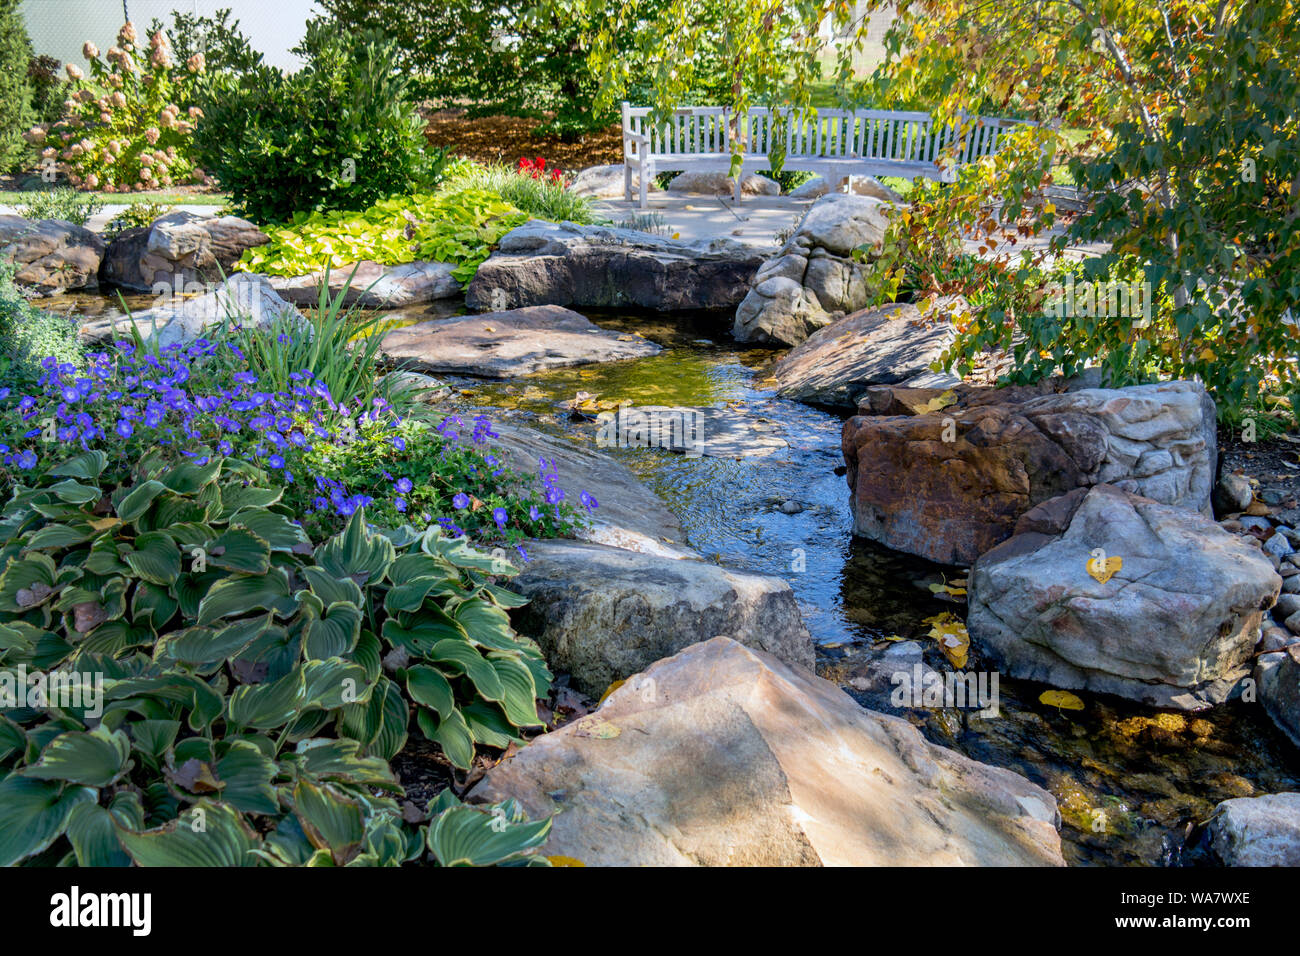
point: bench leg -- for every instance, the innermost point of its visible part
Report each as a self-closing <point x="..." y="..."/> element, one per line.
<point x="627" y="180"/>
<point x="643" y="185"/>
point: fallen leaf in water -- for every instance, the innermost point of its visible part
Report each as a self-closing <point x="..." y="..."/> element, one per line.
<point x="951" y="634"/>
<point x="1060" y="699"/>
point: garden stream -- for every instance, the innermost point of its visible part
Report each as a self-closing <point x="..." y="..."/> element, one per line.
<point x="1132" y="782"/>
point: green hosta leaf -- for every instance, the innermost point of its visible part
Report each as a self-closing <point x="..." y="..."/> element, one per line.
<point x="464" y="657"/>
<point x="520" y="703"/>
<point x="270" y="705"/>
<point x="330" y="589"/>
<point x="188" y="477"/>
<point x="152" y="605"/>
<point x="276" y="530"/>
<point x="504" y="598"/>
<point x="380" y="723"/>
<point x="33" y="813"/>
<point x="411" y="595"/>
<point x="488" y="726"/>
<point x="487" y="625"/>
<point x="331" y="632"/>
<point x="356" y="553"/>
<point x="413" y="565"/>
<point x="95" y="758"/>
<point x="240" y="550"/>
<point x="153" y="737"/>
<point x="465" y="836"/>
<point x="368" y="653"/>
<point x="419" y="639"/>
<point x="427" y="686"/>
<point x="209" y="834"/>
<point x="245" y="774"/>
<point x="27" y="583"/>
<point x="342" y="760"/>
<point x="239" y="595"/>
<point x="205" y="646"/>
<point x="155" y="558"/>
<point x="74" y="492"/>
<point x="94" y="838"/>
<point x="237" y="497"/>
<point x="451" y="733"/>
<point x="331" y="820"/>
<point x="88" y="465"/>
<point x="137" y="501"/>
<point x="60" y="536"/>
<point x="332" y="683"/>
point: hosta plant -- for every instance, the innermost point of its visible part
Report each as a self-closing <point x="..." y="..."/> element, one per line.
<point x="187" y="679"/>
<point x="122" y="128"/>
<point x="459" y="227"/>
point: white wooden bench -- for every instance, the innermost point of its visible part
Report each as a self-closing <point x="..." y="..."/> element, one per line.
<point x="830" y="143"/>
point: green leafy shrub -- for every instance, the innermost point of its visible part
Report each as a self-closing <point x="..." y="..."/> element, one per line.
<point x="341" y="133"/>
<point x="218" y="690"/>
<point x="28" y="335"/>
<point x="541" y="196"/>
<point x="63" y="203"/>
<point x="123" y="128"/>
<point x="140" y="213"/>
<point x="458" y="226"/>
<point x="48" y="88"/>
<point x="15" y="90"/>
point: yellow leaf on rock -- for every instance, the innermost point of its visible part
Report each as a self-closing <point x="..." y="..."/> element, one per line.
<point x="598" y="727"/>
<point x="1104" y="574"/>
<point x="565" y="861"/>
<point x="609" y="690"/>
<point x="1060" y="699"/>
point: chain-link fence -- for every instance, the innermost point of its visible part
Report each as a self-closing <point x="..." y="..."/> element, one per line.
<point x="60" y="27"/>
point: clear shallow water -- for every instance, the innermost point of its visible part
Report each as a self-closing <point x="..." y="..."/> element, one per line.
<point x="1154" y="775"/>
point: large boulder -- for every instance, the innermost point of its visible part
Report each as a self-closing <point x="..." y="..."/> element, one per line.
<point x="178" y="249"/>
<point x="720" y="184"/>
<point x="606" y="182"/>
<point x="814" y="279"/>
<point x="1104" y="591"/>
<point x="724" y="756"/>
<point x="603" y="614"/>
<point x="1277" y="679"/>
<point x="890" y="344"/>
<point x="50" y="256"/>
<point x="245" y="299"/>
<point x="371" y="285"/>
<point x="629" y="515"/>
<point x="508" y="344"/>
<point x="949" y="484"/>
<point x="1257" y="831"/>
<point x="546" y="263"/>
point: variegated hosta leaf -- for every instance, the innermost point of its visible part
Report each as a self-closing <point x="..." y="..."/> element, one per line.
<point x="466" y="836"/>
<point x="33" y="813"/>
<point x="95" y="758"/>
<point x="208" y="834"/>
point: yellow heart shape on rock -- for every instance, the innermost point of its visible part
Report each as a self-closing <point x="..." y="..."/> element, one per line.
<point x="1103" y="571"/>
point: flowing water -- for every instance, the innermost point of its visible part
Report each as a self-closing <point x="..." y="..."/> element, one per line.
<point x="1133" y="783"/>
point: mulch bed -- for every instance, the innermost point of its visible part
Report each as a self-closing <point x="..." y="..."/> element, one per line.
<point x="505" y="139"/>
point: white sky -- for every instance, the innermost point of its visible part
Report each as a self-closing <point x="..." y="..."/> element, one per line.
<point x="60" y="27"/>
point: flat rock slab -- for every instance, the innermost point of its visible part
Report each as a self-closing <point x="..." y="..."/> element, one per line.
<point x="603" y="614"/>
<point x="885" y="345"/>
<point x="628" y="515"/>
<point x="509" y="344"/>
<point x="1170" y="618"/>
<point x="546" y="263"/>
<point x="50" y="256"/>
<point x="1258" y="831"/>
<point x="694" y="432"/>
<point x="949" y="484"/>
<point x="374" y="286"/>
<point x="725" y="756"/>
